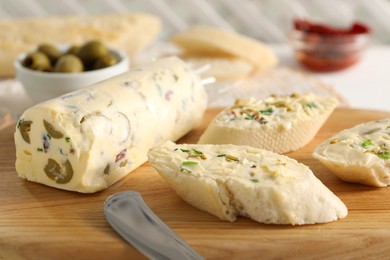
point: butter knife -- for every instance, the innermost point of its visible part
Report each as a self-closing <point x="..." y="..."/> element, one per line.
<point x="128" y="214"/>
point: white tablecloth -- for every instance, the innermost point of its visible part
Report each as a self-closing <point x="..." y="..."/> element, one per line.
<point x="365" y="85"/>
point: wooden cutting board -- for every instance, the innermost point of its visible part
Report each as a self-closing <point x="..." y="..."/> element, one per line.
<point x="39" y="222"/>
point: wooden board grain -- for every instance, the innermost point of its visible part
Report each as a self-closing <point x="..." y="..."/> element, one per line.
<point x="39" y="222"/>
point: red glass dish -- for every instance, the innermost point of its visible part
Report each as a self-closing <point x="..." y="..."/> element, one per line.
<point x="323" y="48"/>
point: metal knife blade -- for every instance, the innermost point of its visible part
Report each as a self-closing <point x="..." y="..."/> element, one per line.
<point x="128" y="214"/>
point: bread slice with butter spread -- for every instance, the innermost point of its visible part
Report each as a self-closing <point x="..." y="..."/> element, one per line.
<point x="278" y="123"/>
<point x="360" y="154"/>
<point x="229" y="180"/>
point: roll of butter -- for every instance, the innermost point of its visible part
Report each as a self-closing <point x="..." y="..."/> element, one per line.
<point x="87" y="140"/>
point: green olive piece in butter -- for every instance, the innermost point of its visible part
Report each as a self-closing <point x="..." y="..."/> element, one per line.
<point x="56" y="173"/>
<point x="52" y="131"/>
<point x="25" y="128"/>
<point x="106" y="169"/>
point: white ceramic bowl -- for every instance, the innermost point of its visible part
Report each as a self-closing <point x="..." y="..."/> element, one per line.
<point x="42" y="86"/>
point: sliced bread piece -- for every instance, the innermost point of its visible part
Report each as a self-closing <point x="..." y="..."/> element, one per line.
<point x="228" y="180"/>
<point x="203" y="41"/>
<point x="278" y="123"/>
<point x="360" y="154"/>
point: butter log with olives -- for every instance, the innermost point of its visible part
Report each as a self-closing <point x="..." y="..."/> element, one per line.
<point x="87" y="140"/>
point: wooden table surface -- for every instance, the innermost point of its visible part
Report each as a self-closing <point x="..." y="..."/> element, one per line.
<point x="39" y="222"/>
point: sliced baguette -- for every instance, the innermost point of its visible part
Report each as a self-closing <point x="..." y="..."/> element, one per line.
<point x="360" y="154"/>
<point x="280" y="124"/>
<point x="227" y="181"/>
<point x="201" y="41"/>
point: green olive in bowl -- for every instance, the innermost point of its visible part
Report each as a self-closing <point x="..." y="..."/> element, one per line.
<point x="91" y="51"/>
<point x="41" y="86"/>
<point x="105" y="62"/>
<point x="74" y="49"/>
<point x="51" y="52"/>
<point x="69" y="63"/>
<point x="37" y="61"/>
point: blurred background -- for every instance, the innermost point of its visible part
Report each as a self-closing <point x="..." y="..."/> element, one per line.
<point x="267" y="20"/>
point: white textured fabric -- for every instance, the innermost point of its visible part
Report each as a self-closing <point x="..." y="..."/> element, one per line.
<point x="267" y="20"/>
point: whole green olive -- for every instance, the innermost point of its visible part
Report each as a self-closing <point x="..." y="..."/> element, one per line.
<point x="105" y="62"/>
<point x="69" y="63"/>
<point x="92" y="51"/>
<point x="74" y="49"/>
<point x="37" y="61"/>
<point x="52" y="52"/>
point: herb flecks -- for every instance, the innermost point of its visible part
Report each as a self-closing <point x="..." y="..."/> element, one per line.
<point x="197" y="151"/>
<point x="311" y="105"/>
<point x="183" y="165"/>
<point x="267" y="111"/>
<point x="335" y="141"/>
<point x="367" y="143"/>
<point x="189" y="163"/>
<point x="194" y="153"/>
<point x="384" y="155"/>
<point x="231" y="158"/>
<point x="372" y="131"/>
